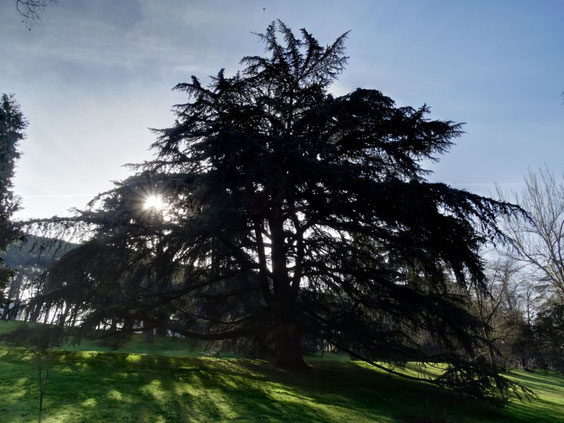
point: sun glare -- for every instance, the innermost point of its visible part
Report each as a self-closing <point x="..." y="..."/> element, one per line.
<point x="154" y="202"/>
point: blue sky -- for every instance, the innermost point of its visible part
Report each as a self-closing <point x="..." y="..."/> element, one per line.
<point x="92" y="76"/>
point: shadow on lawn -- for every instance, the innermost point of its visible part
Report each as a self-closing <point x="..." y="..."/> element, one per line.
<point x="116" y="387"/>
<point x="122" y="387"/>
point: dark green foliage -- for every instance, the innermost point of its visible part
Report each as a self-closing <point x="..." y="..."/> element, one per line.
<point x="12" y="126"/>
<point x="549" y="331"/>
<point x="541" y="344"/>
<point x="291" y="213"/>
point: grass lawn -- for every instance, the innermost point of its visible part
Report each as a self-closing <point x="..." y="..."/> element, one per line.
<point x="99" y="386"/>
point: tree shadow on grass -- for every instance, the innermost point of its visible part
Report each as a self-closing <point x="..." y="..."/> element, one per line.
<point x="117" y="387"/>
<point x="549" y="406"/>
<point x="121" y="387"/>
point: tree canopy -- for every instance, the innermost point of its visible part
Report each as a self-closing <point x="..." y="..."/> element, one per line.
<point x="291" y="217"/>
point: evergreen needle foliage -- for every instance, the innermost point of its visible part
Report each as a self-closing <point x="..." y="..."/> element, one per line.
<point x="291" y="219"/>
<point x="12" y="126"/>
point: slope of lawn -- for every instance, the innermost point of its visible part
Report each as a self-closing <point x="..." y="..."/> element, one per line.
<point x="137" y="345"/>
<point x="87" y="386"/>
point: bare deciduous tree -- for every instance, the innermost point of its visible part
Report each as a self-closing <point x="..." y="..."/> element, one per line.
<point x="540" y="239"/>
<point x="30" y="10"/>
<point x="499" y="307"/>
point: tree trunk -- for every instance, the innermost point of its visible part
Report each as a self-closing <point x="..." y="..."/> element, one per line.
<point x="149" y="335"/>
<point x="286" y="335"/>
<point x="162" y="321"/>
<point x="288" y="342"/>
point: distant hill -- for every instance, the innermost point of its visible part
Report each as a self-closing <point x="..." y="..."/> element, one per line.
<point x="29" y="258"/>
<point x="35" y="252"/>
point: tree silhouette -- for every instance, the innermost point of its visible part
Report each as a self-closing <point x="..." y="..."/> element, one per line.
<point x="12" y="126"/>
<point x="291" y="213"/>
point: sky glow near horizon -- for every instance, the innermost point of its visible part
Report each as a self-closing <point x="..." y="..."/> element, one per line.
<point x="92" y="76"/>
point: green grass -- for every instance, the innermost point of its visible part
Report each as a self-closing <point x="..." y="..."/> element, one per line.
<point x="162" y="345"/>
<point x="125" y="387"/>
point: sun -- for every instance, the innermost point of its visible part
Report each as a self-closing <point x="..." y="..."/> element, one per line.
<point x="154" y="202"/>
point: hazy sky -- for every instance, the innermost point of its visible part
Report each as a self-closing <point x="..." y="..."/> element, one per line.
<point x="92" y="76"/>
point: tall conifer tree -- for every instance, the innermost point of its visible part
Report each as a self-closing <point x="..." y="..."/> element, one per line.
<point x="12" y="126"/>
<point x="291" y="214"/>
